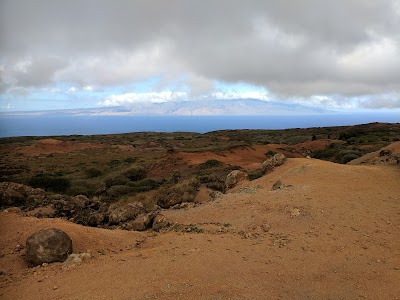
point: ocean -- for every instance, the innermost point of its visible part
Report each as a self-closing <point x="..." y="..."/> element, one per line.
<point x="89" y="125"/>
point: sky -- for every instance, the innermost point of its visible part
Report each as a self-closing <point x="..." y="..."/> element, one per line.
<point x="339" y="55"/>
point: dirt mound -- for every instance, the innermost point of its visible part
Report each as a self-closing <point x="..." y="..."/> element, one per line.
<point x="387" y="155"/>
<point x="312" y="146"/>
<point x="48" y="146"/>
<point x="331" y="233"/>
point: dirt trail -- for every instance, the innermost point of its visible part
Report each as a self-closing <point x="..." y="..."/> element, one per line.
<point x="332" y="233"/>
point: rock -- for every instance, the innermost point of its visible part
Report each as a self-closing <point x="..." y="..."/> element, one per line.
<point x="278" y="185"/>
<point x="141" y="223"/>
<point x="42" y="212"/>
<point x="234" y="178"/>
<point x="385" y="153"/>
<point x="273" y="162"/>
<point x="76" y="259"/>
<point x="78" y="202"/>
<point x="170" y="200"/>
<point x="125" y="213"/>
<point x="186" y="205"/>
<point x="214" y="195"/>
<point x="15" y="210"/>
<point x="159" y="222"/>
<point x="96" y="219"/>
<point x="47" y="246"/>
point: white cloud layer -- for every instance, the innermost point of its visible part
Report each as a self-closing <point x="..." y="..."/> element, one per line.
<point x="343" y="53"/>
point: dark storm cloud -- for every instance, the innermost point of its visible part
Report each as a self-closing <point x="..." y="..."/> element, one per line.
<point x="292" y="48"/>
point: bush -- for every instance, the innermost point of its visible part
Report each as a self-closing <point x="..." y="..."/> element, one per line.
<point x="119" y="191"/>
<point x="270" y="153"/>
<point x="50" y="182"/>
<point x="211" y="163"/>
<point x="115" y="180"/>
<point x="344" y="156"/>
<point x="256" y="174"/>
<point x="130" y="160"/>
<point x="143" y="185"/>
<point x="93" y="172"/>
<point x="135" y="173"/>
<point x="82" y="187"/>
<point x="349" y="157"/>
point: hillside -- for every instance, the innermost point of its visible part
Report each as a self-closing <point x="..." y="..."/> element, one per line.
<point x="331" y="233"/>
<point x="330" y="230"/>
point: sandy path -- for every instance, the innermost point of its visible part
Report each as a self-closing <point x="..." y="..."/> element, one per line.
<point x="332" y="233"/>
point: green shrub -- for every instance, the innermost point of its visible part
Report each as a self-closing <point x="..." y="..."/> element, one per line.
<point x="270" y="153"/>
<point x="115" y="180"/>
<point x="93" y="172"/>
<point x="344" y="156"/>
<point x="130" y="160"/>
<point x="135" y="173"/>
<point x="50" y="182"/>
<point x="256" y="174"/>
<point x="82" y="187"/>
<point x="211" y="163"/>
<point x="143" y="185"/>
<point x="348" y="157"/>
<point x="117" y="191"/>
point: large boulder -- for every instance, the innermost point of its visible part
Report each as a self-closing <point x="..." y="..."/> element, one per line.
<point x="125" y="213"/>
<point x="273" y="162"/>
<point x="234" y="178"/>
<point x="47" y="246"/>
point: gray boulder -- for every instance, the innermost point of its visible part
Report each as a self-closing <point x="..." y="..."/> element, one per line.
<point x="47" y="246"/>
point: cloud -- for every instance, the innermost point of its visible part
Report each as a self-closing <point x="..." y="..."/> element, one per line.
<point x="130" y="98"/>
<point x="330" y="53"/>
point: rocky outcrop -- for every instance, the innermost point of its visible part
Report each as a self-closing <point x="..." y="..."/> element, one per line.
<point x="15" y="194"/>
<point x="47" y="246"/>
<point x="273" y="162"/>
<point x="235" y="177"/>
<point x="80" y="209"/>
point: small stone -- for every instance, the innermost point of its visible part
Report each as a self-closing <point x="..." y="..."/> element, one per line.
<point x="278" y="185"/>
<point x="45" y="264"/>
<point x="55" y="287"/>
